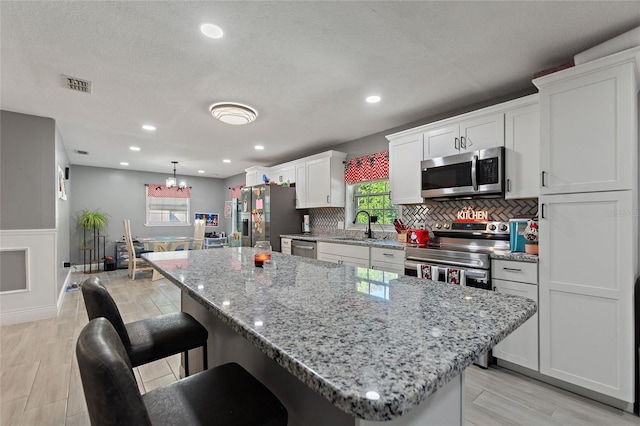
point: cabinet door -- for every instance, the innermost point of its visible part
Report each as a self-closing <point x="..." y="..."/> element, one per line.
<point x="284" y="174"/>
<point x="522" y="142"/>
<point x="587" y="270"/>
<point x="319" y="182"/>
<point x="301" y="186"/>
<point x="251" y="178"/>
<point x="588" y="132"/>
<point x="405" y="155"/>
<point x="482" y="132"/>
<point x="521" y="346"/>
<point x="285" y="245"/>
<point x="442" y="142"/>
<point x="355" y="261"/>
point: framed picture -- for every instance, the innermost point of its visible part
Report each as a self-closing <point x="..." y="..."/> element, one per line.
<point x="210" y="219"/>
<point x="62" y="190"/>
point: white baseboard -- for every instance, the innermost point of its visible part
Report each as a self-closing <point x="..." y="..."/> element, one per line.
<point x="28" y="315"/>
<point x="63" y="290"/>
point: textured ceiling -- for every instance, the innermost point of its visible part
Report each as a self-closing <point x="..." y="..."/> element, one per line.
<point x="305" y="66"/>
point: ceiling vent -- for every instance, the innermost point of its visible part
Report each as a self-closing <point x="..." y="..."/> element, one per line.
<point x="76" y="84"/>
<point x="79" y="151"/>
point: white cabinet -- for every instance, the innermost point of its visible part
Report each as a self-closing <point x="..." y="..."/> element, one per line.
<point x="589" y="133"/>
<point x="588" y="264"/>
<point x="283" y="173"/>
<point x="389" y="260"/>
<point x="520" y="279"/>
<point x="344" y="254"/>
<point x="405" y="154"/>
<point x="254" y="175"/>
<point x="285" y="245"/>
<point x="522" y="146"/>
<point x="320" y="180"/>
<point x="470" y="134"/>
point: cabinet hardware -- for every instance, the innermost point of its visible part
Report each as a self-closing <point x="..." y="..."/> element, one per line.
<point x="513" y="269"/>
<point x="542" y="178"/>
<point x="327" y="199"/>
<point x="508" y="185"/>
<point x="388" y="254"/>
<point x="463" y="144"/>
<point x="542" y="208"/>
<point x="456" y="145"/>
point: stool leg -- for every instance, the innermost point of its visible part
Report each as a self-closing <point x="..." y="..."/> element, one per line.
<point x="186" y="363"/>
<point x="205" y="363"/>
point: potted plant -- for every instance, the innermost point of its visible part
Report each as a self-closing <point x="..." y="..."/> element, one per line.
<point x="93" y="220"/>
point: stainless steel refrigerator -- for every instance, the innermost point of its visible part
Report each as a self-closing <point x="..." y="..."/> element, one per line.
<point x="267" y="211"/>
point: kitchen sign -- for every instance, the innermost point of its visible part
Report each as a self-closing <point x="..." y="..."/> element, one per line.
<point x="468" y="214"/>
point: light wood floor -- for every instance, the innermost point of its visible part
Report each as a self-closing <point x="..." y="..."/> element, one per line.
<point x="40" y="383"/>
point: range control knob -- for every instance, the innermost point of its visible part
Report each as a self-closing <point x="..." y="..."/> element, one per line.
<point x="492" y="227"/>
<point x="447" y="226"/>
<point x="438" y="226"/>
<point x="503" y="227"/>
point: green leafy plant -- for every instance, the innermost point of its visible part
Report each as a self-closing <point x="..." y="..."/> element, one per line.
<point x="95" y="219"/>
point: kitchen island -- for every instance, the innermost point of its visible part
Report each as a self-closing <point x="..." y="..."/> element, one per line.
<point x="340" y="344"/>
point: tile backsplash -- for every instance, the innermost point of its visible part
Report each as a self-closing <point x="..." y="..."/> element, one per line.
<point x="325" y="221"/>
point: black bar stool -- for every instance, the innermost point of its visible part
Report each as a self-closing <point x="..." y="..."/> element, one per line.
<point x="226" y="395"/>
<point x="148" y="339"/>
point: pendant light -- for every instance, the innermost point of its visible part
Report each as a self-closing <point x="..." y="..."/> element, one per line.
<point x="173" y="180"/>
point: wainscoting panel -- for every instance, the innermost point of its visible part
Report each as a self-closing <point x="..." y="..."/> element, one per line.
<point x="38" y="298"/>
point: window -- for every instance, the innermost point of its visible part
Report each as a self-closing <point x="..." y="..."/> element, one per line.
<point x="374" y="198"/>
<point x="167" y="206"/>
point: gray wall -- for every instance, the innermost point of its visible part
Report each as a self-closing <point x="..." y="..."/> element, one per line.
<point x="228" y="183"/>
<point x="28" y="172"/>
<point x="121" y="194"/>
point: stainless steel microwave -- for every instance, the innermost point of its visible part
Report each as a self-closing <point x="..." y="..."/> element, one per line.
<point x="478" y="174"/>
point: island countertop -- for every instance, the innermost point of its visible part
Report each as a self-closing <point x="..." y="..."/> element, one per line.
<point x="373" y="343"/>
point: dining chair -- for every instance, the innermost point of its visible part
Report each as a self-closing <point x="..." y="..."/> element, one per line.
<point x="148" y="339"/>
<point x="198" y="234"/>
<point x="135" y="263"/>
<point x="225" y="395"/>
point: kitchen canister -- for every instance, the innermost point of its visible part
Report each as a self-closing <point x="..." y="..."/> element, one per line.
<point x="306" y="227"/>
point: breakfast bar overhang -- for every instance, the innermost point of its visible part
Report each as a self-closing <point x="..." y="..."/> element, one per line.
<point x="339" y="344"/>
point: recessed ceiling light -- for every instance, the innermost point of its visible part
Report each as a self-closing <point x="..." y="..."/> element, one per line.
<point x="200" y="171"/>
<point x="134" y="148"/>
<point x="373" y="99"/>
<point x="149" y="127"/>
<point x="233" y="113"/>
<point x="211" y="31"/>
<point x="259" y="147"/>
<point x="226" y="160"/>
<point x="122" y="163"/>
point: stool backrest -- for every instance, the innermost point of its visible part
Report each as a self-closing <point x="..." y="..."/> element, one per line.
<point x="99" y="303"/>
<point x="110" y="387"/>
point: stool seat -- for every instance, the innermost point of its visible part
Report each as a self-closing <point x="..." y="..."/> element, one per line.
<point x="224" y="395"/>
<point x="159" y="337"/>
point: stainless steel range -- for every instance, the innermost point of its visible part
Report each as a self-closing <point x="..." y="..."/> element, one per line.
<point x="462" y="246"/>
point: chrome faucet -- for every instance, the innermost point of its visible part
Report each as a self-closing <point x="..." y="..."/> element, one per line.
<point x="368" y="232"/>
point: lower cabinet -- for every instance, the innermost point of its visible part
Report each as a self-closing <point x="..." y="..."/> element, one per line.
<point x="344" y="254"/>
<point x="285" y="245"/>
<point x="520" y="279"/>
<point x="388" y="260"/>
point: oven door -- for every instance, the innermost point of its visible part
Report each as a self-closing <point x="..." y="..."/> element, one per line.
<point x="468" y="174"/>
<point x="479" y="278"/>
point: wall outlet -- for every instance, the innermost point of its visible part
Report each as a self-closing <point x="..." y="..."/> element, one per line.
<point x="419" y="225"/>
<point x="66" y="264"/>
<point x="340" y="224"/>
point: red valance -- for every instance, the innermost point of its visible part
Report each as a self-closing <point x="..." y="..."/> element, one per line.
<point x="369" y="167"/>
<point x="161" y="191"/>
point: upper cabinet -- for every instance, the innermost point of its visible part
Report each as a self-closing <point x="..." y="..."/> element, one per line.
<point x="405" y="154"/>
<point x="320" y="180"/>
<point x="588" y="131"/>
<point x="283" y="173"/>
<point x="254" y="175"/>
<point x="470" y="134"/>
<point x="522" y="147"/>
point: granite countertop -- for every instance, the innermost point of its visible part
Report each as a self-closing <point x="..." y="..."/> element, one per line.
<point x="517" y="256"/>
<point x="349" y="333"/>
<point x="367" y="242"/>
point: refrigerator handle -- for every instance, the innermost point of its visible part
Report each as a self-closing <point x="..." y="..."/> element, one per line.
<point x="245" y="227"/>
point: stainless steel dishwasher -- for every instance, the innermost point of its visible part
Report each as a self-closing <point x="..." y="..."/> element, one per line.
<point x="304" y="248"/>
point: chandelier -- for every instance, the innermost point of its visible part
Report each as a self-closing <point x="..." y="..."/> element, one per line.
<point x="173" y="181"/>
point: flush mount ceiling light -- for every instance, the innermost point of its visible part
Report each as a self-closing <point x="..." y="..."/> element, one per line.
<point x="232" y="113"/>
<point x="373" y="99"/>
<point x="173" y="181"/>
<point x="211" y="30"/>
<point x="149" y="127"/>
